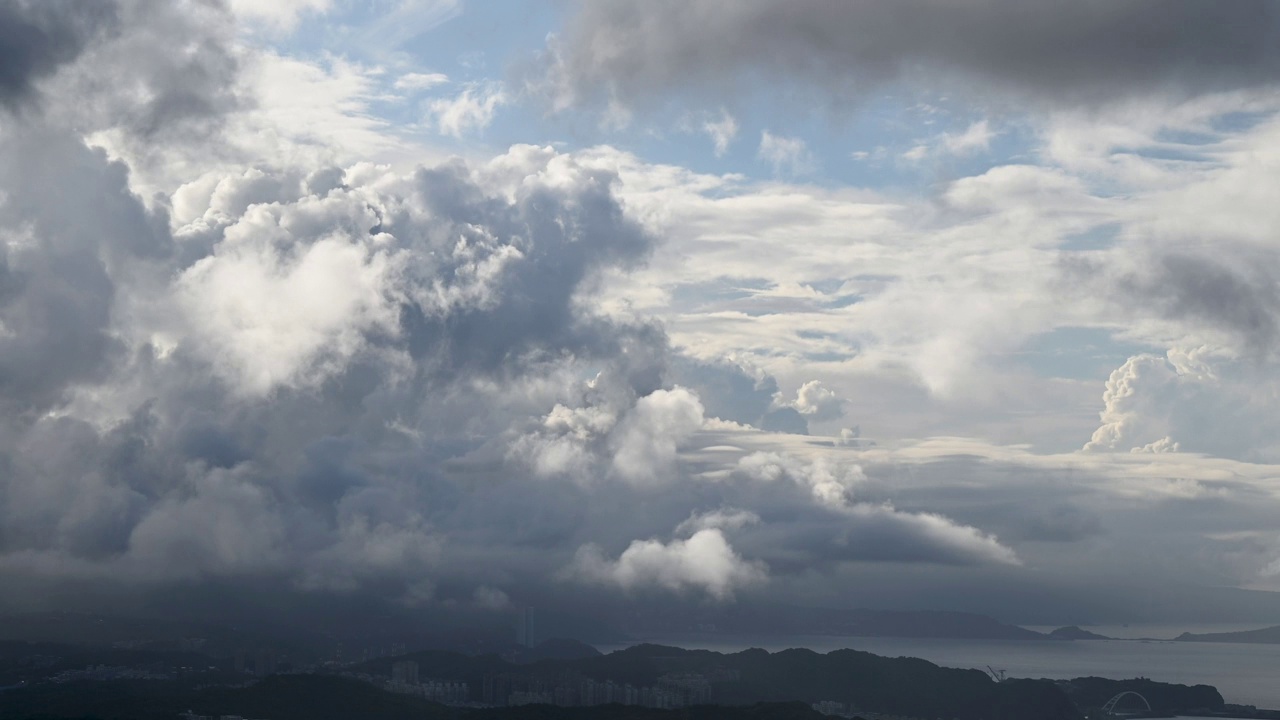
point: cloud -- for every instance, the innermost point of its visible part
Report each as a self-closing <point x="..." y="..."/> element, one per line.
<point x="722" y="132"/>
<point x="402" y="23"/>
<point x="376" y="546"/>
<point x="724" y="518"/>
<point x="1061" y="524"/>
<point x="57" y="293"/>
<point x="1191" y="400"/>
<point x="420" y="81"/>
<point x="831" y="486"/>
<point x="787" y="155"/>
<point x="491" y="598"/>
<point x="977" y="137"/>
<point x="470" y="111"/>
<point x="318" y="111"/>
<point x="183" y="68"/>
<point x="851" y="297"/>
<point x="265" y="355"/>
<point x="253" y="338"/>
<point x="729" y="390"/>
<point x="868" y="531"/>
<point x="1054" y="53"/>
<point x="1233" y="294"/>
<point x="851" y="437"/>
<point x="883" y="533"/>
<point x="649" y="435"/>
<point x="281" y="15"/>
<point x="636" y="443"/>
<point x="38" y="37"/>
<point x="704" y="562"/>
<point x="1023" y="285"/>
<point x="270" y="319"/>
<point x="226" y="525"/>
<point x="916" y="153"/>
<point x="818" y="402"/>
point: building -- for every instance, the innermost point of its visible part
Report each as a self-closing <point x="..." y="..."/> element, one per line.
<point x="447" y="692"/>
<point x="404" y="672"/>
<point x="525" y="628"/>
<point x="497" y="689"/>
<point x="265" y="663"/>
<point x="692" y="688"/>
<point x="528" y="698"/>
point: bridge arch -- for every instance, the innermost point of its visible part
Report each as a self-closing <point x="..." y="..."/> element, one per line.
<point x="1110" y="707"/>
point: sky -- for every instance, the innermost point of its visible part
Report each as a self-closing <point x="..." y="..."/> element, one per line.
<point x="461" y="305"/>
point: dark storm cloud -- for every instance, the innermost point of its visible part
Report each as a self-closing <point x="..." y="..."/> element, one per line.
<point x="37" y="36"/>
<point x="56" y="291"/>
<point x="183" y="79"/>
<point x="820" y="513"/>
<point x="1092" y="51"/>
<point x="1244" y="301"/>
<point x="153" y="71"/>
<point x="818" y="539"/>
<point x="531" y="312"/>
<point x="1236" y="296"/>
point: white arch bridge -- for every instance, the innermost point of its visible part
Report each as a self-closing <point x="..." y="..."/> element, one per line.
<point x="1110" y="707"/>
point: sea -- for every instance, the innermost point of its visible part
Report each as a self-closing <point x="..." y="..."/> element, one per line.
<point x="1244" y="674"/>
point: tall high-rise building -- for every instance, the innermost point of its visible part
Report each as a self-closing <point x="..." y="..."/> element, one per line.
<point x="525" y="629"/>
<point x="265" y="663"/>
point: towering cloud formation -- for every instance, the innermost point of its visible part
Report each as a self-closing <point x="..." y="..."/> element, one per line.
<point x="339" y="379"/>
<point x="1191" y="400"/>
<point x="273" y="405"/>
<point x="261" y="387"/>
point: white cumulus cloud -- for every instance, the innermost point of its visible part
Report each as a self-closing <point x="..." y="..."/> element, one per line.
<point x="704" y="562"/>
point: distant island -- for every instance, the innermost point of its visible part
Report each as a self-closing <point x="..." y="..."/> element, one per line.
<point x="865" y="622"/>
<point x="1071" y="632"/>
<point x="646" y="681"/>
<point x="1267" y="635"/>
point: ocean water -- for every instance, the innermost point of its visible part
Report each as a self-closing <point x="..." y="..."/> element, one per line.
<point x="1244" y="674"/>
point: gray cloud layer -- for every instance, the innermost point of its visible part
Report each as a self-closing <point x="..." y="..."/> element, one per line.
<point x="37" y="36"/>
<point x="1243" y="301"/>
<point x="1093" y="51"/>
